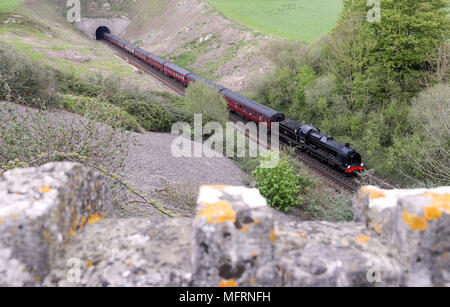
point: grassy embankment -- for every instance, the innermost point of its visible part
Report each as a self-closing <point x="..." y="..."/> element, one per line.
<point x="293" y="19"/>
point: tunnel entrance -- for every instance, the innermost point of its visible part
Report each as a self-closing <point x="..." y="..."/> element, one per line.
<point x="100" y="32"/>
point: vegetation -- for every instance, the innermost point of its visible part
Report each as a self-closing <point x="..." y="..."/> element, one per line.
<point x="26" y="134"/>
<point x="359" y="84"/>
<point x="152" y="111"/>
<point x="201" y="98"/>
<point x="9" y="5"/>
<point x="23" y="80"/>
<point x="294" y="19"/>
<point x="279" y="185"/>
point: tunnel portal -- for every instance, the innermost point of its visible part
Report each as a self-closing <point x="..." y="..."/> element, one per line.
<point x="100" y="32"/>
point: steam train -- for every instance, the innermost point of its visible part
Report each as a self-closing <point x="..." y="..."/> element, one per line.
<point x="304" y="137"/>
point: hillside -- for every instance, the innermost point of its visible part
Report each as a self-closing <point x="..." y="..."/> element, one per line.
<point x="294" y="19"/>
<point x="40" y="30"/>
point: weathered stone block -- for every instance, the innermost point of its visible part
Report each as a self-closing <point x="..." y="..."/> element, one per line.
<point x="41" y="211"/>
<point x="128" y="252"/>
<point x="233" y="243"/>
<point x="333" y="254"/>
<point x="416" y="224"/>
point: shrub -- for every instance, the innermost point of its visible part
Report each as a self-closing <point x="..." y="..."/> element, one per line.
<point x="200" y="98"/>
<point x="101" y="112"/>
<point x="25" y="134"/>
<point x="25" y="81"/>
<point x="152" y="111"/>
<point x="424" y="156"/>
<point x="328" y="205"/>
<point x="279" y="185"/>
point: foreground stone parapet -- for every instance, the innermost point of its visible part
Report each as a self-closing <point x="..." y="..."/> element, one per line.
<point x="326" y="254"/>
<point x="233" y="243"/>
<point x="416" y="224"/>
<point x="127" y="252"/>
<point x="41" y="211"/>
<point x="53" y="233"/>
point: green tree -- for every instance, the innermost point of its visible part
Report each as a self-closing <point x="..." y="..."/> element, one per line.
<point x="201" y="98"/>
<point x="279" y="185"/>
<point x="371" y="59"/>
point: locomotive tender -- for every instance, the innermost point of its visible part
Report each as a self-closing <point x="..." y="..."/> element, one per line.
<point x="305" y="137"/>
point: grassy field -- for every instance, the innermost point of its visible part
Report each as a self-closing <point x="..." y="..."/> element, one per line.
<point x="294" y="19"/>
<point x="9" y="5"/>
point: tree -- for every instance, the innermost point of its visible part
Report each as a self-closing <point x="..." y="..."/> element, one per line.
<point x="279" y="185"/>
<point x="377" y="61"/>
<point x="406" y="34"/>
<point x="425" y="156"/>
<point x="201" y="98"/>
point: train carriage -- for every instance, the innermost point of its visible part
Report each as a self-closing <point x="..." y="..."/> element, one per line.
<point x="141" y="54"/>
<point x="130" y="48"/>
<point x="251" y="109"/>
<point x="155" y="61"/>
<point x="176" y="72"/>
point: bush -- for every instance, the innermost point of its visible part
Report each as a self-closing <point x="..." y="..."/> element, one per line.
<point x="25" y="81"/>
<point x="101" y="112"/>
<point x="424" y="156"/>
<point x="25" y="134"/>
<point x="279" y="185"/>
<point x="152" y="111"/>
<point x="328" y="205"/>
<point x="201" y="98"/>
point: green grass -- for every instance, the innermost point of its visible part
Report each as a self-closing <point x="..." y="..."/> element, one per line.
<point x="7" y="6"/>
<point x="293" y="19"/>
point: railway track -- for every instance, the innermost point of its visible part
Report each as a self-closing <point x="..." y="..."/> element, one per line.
<point x="329" y="175"/>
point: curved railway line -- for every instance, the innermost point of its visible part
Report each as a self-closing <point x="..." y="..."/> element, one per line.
<point x="330" y="176"/>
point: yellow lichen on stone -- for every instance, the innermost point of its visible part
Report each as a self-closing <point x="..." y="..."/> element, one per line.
<point x="44" y="189"/>
<point x="15" y="216"/>
<point x="432" y="212"/>
<point x="415" y="222"/>
<point x="218" y="212"/>
<point x="1" y="221"/>
<point x="441" y="201"/>
<point x="228" y="283"/>
<point x="94" y="218"/>
<point x="252" y="281"/>
<point x="362" y="239"/>
<point x="244" y="228"/>
<point x="377" y="228"/>
<point x="256" y="221"/>
<point x="72" y="209"/>
<point x="373" y="193"/>
<point x="273" y="236"/>
<point x="89" y="263"/>
<point x="72" y="232"/>
<point x="301" y="235"/>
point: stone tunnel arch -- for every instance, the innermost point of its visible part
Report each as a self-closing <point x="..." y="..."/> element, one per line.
<point x="100" y="32"/>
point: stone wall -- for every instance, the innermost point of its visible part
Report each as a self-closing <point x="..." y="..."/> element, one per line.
<point x="57" y="228"/>
<point x="88" y="26"/>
